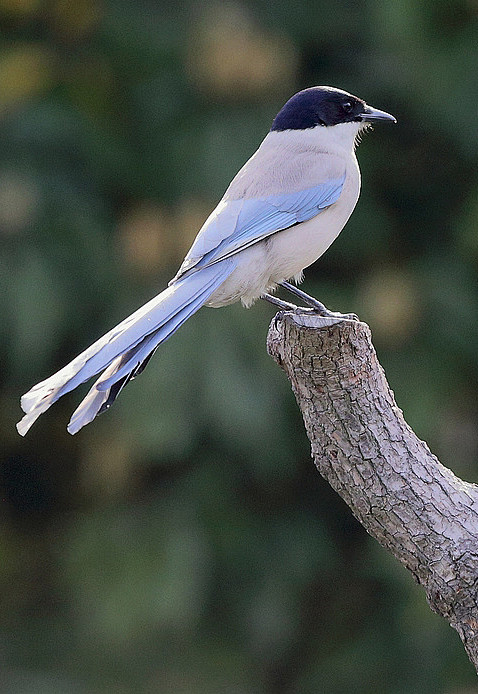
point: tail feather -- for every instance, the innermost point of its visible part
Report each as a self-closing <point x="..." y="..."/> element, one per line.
<point x="96" y="402"/>
<point x="145" y="347"/>
<point x="123" y="368"/>
<point x="124" y="348"/>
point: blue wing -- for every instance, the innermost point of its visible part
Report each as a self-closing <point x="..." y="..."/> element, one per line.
<point x="237" y="224"/>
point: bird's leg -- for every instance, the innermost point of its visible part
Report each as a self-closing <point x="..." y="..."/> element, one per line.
<point x="318" y="306"/>
<point x="284" y="305"/>
<point x="306" y="298"/>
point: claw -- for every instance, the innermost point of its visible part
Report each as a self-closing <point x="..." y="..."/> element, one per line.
<point x="339" y="316"/>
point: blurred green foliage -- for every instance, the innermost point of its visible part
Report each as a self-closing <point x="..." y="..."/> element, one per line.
<point x="184" y="543"/>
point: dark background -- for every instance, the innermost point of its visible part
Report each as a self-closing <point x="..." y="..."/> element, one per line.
<point x="184" y="543"/>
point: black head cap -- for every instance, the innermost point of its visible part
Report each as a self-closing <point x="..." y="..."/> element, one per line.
<point x="324" y="106"/>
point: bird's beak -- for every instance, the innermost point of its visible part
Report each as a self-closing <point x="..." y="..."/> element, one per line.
<point x="369" y="115"/>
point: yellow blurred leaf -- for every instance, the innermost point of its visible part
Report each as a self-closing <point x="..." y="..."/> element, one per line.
<point x="25" y="71"/>
<point x="229" y="54"/>
<point x="72" y="20"/>
<point x="19" y="199"/>
<point x="144" y="236"/>
<point x="390" y="303"/>
<point x="19" y="8"/>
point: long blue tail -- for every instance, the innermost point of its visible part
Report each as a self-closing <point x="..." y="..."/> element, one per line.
<point x="125" y="350"/>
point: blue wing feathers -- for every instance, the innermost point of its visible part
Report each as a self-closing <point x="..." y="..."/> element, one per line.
<point x="241" y="223"/>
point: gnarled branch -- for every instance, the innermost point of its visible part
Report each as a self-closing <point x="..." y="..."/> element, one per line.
<point x="403" y="496"/>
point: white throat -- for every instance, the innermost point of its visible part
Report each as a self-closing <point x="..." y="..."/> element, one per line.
<point x="335" y="139"/>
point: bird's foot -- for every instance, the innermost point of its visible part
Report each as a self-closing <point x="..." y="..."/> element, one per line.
<point x="317" y="306"/>
<point x="337" y="315"/>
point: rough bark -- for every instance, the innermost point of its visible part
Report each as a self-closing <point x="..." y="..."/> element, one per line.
<point x="403" y="496"/>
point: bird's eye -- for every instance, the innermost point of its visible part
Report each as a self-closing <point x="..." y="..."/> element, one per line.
<point x="347" y="106"/>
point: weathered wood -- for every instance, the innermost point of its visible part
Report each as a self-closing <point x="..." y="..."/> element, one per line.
<point x="403" y="496"/>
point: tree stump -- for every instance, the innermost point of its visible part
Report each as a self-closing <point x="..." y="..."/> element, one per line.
<point x="398" y="490"/>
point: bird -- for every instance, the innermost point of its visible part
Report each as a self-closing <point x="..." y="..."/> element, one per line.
<point x="280" y="213"/>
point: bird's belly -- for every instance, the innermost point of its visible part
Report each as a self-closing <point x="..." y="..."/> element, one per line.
<point x="283" y="255"/>
<point x="294" y="249"/>
<point x="249" y="280"/>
